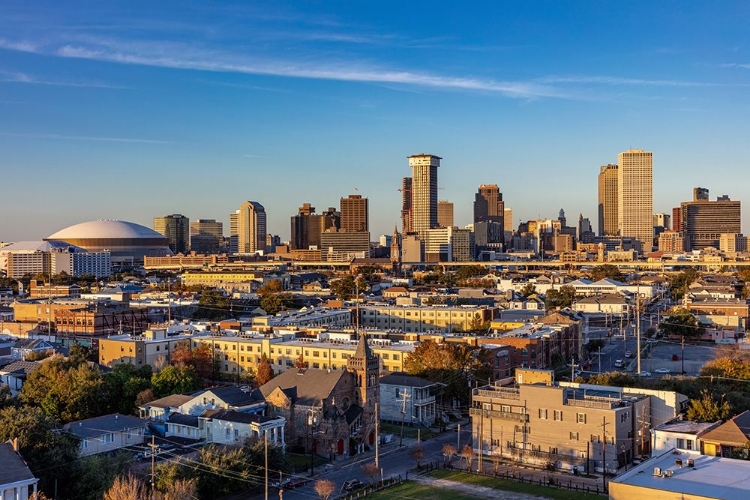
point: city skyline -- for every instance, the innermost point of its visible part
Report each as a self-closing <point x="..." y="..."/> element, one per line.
<point x="122" y="112"/>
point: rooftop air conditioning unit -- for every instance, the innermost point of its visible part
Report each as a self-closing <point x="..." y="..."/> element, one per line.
<point x="657" y="471"/>
<point x="667" y="473"/>
<point x="690" y="462"/>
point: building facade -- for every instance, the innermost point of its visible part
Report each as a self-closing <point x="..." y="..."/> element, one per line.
<point x="176" y="228"/>
<point x="424" y="191"/>
<point x="635" y="200"/>
<point x="251" y="228"/>
<point x="704" y="221"/>
<point x="355" y="214"/>
<point x="445" y="213"/>
<point x="488" y="204"/>
<point x="608" y="200"/>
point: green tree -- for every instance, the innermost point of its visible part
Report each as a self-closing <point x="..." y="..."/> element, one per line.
<point x="708" y="409"/>
<point x="478" y="324"/>
<point x="466" y="272"/>
<point x="528" y="289"/>
<point x="559" y="299"/>
<point x="606" y="271"/>
<point x="271" y="303"/>
<point x="679" y="284"/>
<point x="174" y="380"/>
<point x="343" y="288"/>
<point x="123" y="384"/>
<point x="6" y="399"/>
<point x="94" y="475"/>
<point x="48" y="453"/>
<point x="212" y="304"/>
<point x="271" y="288"/>
<point x="66" y="391"/>
<point x="681" y="322"/>
<point x="434" y="300"/>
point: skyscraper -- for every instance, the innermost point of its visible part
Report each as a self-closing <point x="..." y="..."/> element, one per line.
<point x="488" y="204"/>
<point x="251" y="228"/>
<point x="234" y="231"/>
<point x="307" y="226"/>
<point x="406" y="184"/>
<point x="704" y="221"/>
<point x="176" y="228"/>
<point x="206" y="235"/>
<point x="445" y="213"/>
<point x="635" y="199"/>
<point x="207" y="226"/>
<point x="608" y="200"/>
<point x="424" y="191"/>
<point x="354" y="214"/>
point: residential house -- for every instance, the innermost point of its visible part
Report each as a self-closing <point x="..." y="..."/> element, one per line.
<point x="14" y="374"/>
<point x="612" y="305"/>
<point x="682" y="435"/>
<point x="225" y="427"/>
<point x="16" y="479"/>
<point x="107" y="433"/>
<point x="228" y="397"/>
<point x="23" y="347"/>
<point x="408" y="399"/>
<point x="729" y="437"/>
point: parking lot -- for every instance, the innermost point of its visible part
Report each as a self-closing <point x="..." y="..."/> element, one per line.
<point x="662" y="353"/>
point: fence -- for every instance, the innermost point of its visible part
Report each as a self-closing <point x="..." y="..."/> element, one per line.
<point x="374" y="488"/>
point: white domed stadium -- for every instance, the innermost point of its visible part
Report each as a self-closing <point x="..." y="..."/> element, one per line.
<point x="126" y="241"/>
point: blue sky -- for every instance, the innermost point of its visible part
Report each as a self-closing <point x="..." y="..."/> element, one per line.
<point x="129" y="110"/>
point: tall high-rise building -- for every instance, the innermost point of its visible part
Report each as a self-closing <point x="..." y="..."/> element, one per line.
<point x="509" y="226"/>
<point x="488" y="204"/>
<point x="176" y="228"/>
<point x="354" y="214"/>
<point x="635" y="198"/>
<point x="307" y="226"/>
<point x="677" y="219"/>
<point x="424" y="191"/>
<point x="206" y="236"/>
<point x="406" y="226"/>
<point x="608" y="200"/>
<point x="662" y="220"/>
<point x="704" y="221"/>
<point x="445" y="213"/>
<point x="251" y="228"/>
<point x="234" y="231"/>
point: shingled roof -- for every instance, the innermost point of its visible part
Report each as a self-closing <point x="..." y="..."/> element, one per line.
<point x="311" y="386"/>
<point x="734" y="432"/>
<point x="14" y="469"/>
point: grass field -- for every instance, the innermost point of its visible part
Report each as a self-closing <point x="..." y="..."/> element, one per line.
<point x="414" y="490"/>
<point x="410" y="432"/>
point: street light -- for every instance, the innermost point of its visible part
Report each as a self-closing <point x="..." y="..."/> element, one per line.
<point x="312" y="420"/>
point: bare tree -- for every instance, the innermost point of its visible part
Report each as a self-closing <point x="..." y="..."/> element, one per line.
<point x="160" y="362"/>
<point x="467" y="452"/>
<point x="370" y="470"/>
<point x="497" y="460"/>
<point x="126" y="488"/>
<point x="448" y="452"/>
<point x="417" y="453"/>
<point x="324" y="488"/>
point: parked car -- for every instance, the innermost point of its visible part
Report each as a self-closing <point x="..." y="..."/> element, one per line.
<point x="628" y="354"/>
<point x="619" y="363"/>
<point x="351" y="485"/>
<point x="661" y="370"/>
<point x="644" y="374"/>
<point x="296" y="482"/>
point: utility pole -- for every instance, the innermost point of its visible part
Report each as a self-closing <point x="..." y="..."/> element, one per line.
<point x="638" y="325"/>
<point x="604" y="453"/>
<point x="458" y="438"/>
<point x="403" y="416"/>
<point x="265" y="441"/>
<point x="600" y="359"/>
<point x="682" y="354"/>
<point x="481" y="439"/>
<point x="153" y="473"/>
<point x="573" y="367"/>
<point x="377" y="436"/>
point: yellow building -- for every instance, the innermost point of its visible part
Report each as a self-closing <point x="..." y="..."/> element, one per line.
<point x="243" y="354"/>
<point x="422" y="319"/>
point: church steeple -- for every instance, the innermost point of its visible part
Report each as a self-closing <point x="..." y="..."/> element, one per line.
<point x="366" y="367"/>
<point x="395" y="249"/>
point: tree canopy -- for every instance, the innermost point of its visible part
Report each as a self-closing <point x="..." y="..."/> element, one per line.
<point x="606" y="271"/>
<point x="682" y="322"/>
<point x="558" y="299"/>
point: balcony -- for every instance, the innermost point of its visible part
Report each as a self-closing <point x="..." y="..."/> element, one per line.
<point x="592" y="403"/>
<point x="504" y="415"/>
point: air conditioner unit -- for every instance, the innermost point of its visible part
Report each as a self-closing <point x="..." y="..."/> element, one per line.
<point x="667" y="473"/>
<point x="690" y="462"/>
<point x="657" y="471"/>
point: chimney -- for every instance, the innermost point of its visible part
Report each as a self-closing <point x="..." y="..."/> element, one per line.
<point x="14" y="442"/>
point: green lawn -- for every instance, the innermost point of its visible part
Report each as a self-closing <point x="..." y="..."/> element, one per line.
<point x="410" y="432"/>
<point x="411" y="489"/>
<point x="302" y="462"/>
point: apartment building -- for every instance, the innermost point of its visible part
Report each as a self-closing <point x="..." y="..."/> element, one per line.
<point x="142" y="349"/>
<point x="242" y="354"/>
<point x="541" y="423"/>
<point x="422" y="319"/>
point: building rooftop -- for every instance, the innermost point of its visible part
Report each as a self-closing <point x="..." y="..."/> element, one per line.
<point x="686" y="427"/>
<point x="94" y="427"/>
<point x="710" y="477"/>
<point x="14" y="469"/>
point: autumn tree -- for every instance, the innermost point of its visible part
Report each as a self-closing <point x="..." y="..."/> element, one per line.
<point x="179" y="490"/>
<point x="528" y="289"/>
<point x="200" y="358"/>
<point x="559" y="299"/>
<point x="324" y="488"/>
<point x="265" y="371"/>
<point x="343" y="288"/>
<point x="606" y="271"/>
<point x="478" y="324"/>
<point x="497" y="461"/>
<point x="300" y="362"/>
<point x="417" y="454"/>
<point x="708" y="409"/>
<point x="370" y="470"/>
<point x="448" y="452"/>
<point x="467" y="453"/>
<point x="126" y="488"/>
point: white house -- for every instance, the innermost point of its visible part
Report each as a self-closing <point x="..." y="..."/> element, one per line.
<point x="226" y="427"/>
<point x="683" y="435"/>
<point x="228" y="397"/>
<point x="615" y="305"/>
<point x="107" y="433"/>
<point x="14" y="374"/>
<point x="16" y="480"/>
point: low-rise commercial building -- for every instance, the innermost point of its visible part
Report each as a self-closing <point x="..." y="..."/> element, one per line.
<point x="424" y="319"/>
<point x="142" y="350"/>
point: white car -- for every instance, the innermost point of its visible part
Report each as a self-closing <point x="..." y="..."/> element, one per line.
<point x="644" y="374"/>
<point x="661" y="370"/>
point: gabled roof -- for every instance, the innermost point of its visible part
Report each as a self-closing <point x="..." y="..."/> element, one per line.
<point x="557" y="318"/>
<point x="180" y="419"/>
<point x="32" y="344"/>
<point x="311" y="385"/>
<point x="608" y="282"/>
<point x="232" y="395"/>
<point x="173" y="401"/>
<point x="94" y="427"/>
<point x="236" y="416"/>
<point x="13" y="469"/>
<point x="734" y="432"/>
<point x="580" y="282"/>
<point x="17" y="368"/>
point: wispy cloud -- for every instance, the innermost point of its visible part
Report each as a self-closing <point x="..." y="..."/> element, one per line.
<point x="736" y="65"/>
<point x="82" y="138"/>
<point x="18" y="46"/>
<point x="16" y="77"/>
<point x="613" y="80"/>
<point x="253" y="156"/>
